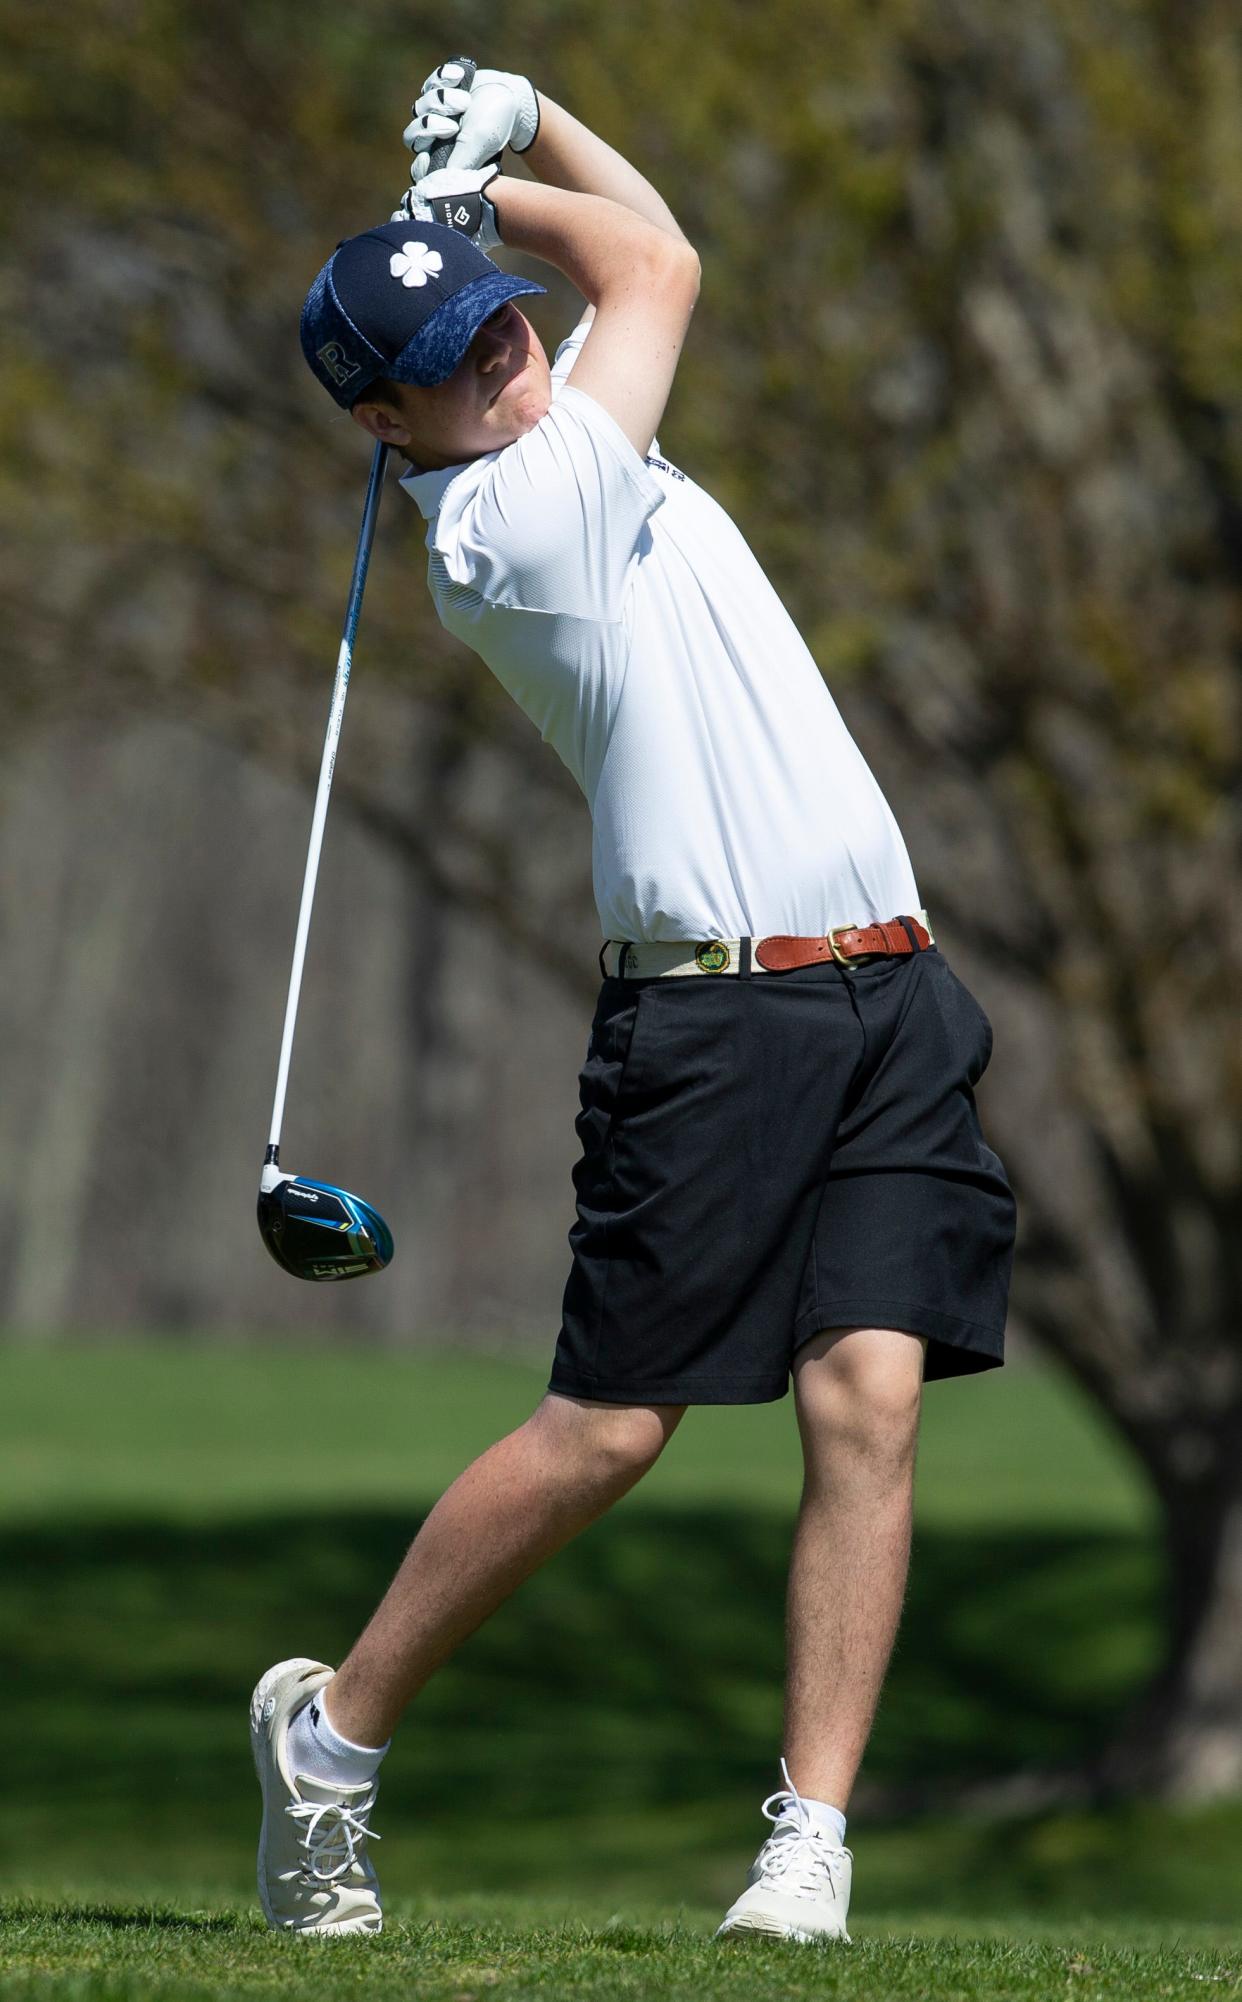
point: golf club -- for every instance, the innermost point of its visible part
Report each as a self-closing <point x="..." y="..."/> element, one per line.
<point x="314" y="1229"/>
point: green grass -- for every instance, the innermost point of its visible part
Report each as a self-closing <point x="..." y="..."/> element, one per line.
<point x="573" y="1799"/>
<point x="508" y="1951"/>
<point x="197" y="1433"/>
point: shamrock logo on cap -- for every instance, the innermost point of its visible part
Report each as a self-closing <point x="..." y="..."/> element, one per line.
<point x="414" y="263"/>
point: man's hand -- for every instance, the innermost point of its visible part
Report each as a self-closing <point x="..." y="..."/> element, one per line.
<point x="456" y="199"/>
<point x="498" y="110"/>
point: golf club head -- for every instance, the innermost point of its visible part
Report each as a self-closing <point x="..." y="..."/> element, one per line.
<point x="316" y="1231"/>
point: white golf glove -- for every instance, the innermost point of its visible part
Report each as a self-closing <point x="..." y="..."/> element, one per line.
<point x="498" y="110"/>
<point x="455" y="199"/>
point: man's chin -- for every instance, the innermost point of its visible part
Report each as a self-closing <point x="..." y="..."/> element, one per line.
<point x="531" y="409"/>
<point x="517" y="422"/>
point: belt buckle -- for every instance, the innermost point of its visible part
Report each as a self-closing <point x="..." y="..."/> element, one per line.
<point x="834" y="948"/>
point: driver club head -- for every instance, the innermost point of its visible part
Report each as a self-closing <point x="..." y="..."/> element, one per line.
<point x="317" y="1231"/>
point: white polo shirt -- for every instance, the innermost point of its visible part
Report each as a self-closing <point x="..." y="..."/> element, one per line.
<point x="623" y="611"/>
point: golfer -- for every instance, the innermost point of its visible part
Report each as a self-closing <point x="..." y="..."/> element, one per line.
<point x="782" y="1174"/>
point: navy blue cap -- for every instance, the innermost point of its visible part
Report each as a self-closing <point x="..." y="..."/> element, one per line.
<point x="405" y="301"/>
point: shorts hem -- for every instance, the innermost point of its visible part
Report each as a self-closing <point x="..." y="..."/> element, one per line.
<point x="670" y="1390"/>
<point x="957" y="1346"/>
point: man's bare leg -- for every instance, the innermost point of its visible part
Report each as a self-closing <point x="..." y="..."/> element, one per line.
<point x="858" y="1392"/>
<point x="516" y="1505"/>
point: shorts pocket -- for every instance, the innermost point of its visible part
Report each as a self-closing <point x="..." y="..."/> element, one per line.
<point x="608" y="1057"/>
<point x="970" y="1031"/>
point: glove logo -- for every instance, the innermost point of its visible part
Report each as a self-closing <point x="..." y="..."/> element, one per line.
<point x="414" y="263"/>
<point x="337" y="362"/>
<point x="461" y="216"/>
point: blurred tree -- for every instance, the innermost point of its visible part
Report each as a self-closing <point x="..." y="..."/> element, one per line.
<point x="966" y="369"/>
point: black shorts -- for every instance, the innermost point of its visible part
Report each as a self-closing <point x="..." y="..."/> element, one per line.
<point x="763" y="1158"/>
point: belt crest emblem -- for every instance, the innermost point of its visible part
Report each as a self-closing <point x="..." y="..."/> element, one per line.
<point x="712" y="957"/>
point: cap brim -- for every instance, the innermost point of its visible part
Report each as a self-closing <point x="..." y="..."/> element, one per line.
<point x="442" y="340"/>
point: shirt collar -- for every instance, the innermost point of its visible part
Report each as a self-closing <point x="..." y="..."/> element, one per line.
<point x="429" y="489"/>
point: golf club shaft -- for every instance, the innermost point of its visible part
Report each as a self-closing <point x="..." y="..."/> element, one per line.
<point x="362" y="558"/>
<point x="366" y="536"/>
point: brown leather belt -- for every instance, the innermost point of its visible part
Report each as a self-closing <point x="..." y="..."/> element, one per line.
<point x="777" y="954"/>
<point x="843" y="942"/>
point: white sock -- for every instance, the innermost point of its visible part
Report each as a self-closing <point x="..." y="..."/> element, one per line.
<point x="319" y="1752"/>
<point x="828" y="1820"/>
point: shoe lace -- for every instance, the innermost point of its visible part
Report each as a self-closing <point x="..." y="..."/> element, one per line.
<point x="334" y="1836"/>
<point x="796" y="1855"/>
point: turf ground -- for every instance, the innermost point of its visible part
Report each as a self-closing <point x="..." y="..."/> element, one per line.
<point x="575" y="1798"/>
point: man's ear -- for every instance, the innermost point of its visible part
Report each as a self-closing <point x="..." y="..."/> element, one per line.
<point x="381" y="421"/>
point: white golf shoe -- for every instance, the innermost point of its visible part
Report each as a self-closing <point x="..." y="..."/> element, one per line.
<point x="799" y="1884"/>
<point x="314" y="1876"/>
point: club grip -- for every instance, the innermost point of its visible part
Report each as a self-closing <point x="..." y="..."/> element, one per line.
<point x="440" y="154"/>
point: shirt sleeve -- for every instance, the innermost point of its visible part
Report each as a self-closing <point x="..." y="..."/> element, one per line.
<point x="570" y="348"/>
<point x="559" y="518"/>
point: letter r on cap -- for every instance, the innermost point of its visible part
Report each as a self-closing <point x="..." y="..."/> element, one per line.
<point x="337" y="362"/>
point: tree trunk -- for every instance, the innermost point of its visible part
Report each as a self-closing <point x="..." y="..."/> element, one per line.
<point x="1183" y="1741"/>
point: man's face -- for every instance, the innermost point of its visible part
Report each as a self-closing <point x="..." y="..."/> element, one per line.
<point x="499" y="390"/>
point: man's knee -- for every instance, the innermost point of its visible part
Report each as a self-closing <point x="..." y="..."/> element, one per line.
<point x="618" y="1442"/>
<point x="859" y="1391"/>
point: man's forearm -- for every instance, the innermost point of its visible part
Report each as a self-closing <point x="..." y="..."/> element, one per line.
<point x="600" y="245"/>
<point x="566" y="154"/>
